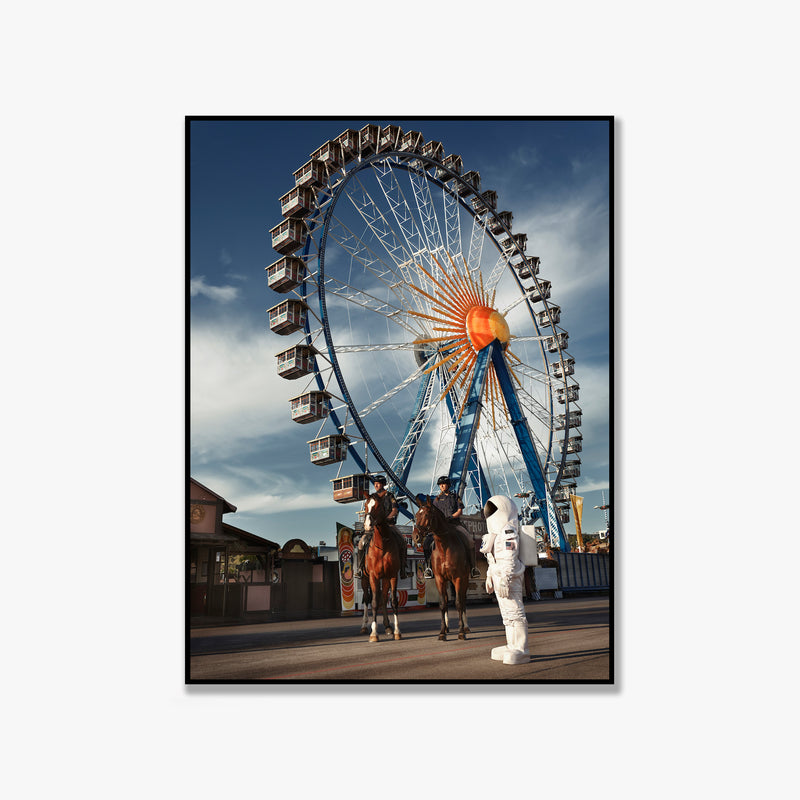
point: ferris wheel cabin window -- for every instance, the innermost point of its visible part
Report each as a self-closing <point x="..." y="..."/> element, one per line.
<point x="550" y="316"/>
<point x="564" y="367"/>
<point x="538" y="294"/>
<point x="433" y="150"/>
<point x="574" y="420"/>
<point x="288" y="236"/>
<point x="350" y="488"/>
<point x="575" y="444"/>
<point x="298" y="202"/>
<point x="310" y="407"/>
<point x="554" y="343"/>
<point x="287" y="317"/>
<point x="311" y="173"/>
<point x="488" y="197"/>
<point x="473" y="180"/>
<point x="454" y="163"/>
<point x="329" y="449"/>
<point x="411" y="141"/>
<point x="285" y="274"/>
<point x="296" y="362"/>
<point x="368" y="139"/>
<point x="390" y="138"/>
<point x="348" y="142"/>
<point x="569" y="393"/>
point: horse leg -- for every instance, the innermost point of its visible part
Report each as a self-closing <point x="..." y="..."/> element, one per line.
<point x="384" y="606"/>
<point x="460" y="600"/>
<point x="366" y="600"/>
<point x="395" y="603"/>
<point x="373" y="636"/>
<point x="441" y="585"/>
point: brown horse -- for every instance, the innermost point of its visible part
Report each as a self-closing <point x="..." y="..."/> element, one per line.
<point x="448" y="562"/>
<point x="383" y="565"/>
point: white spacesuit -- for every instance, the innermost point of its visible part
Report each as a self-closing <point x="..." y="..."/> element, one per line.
<point x="501" y="545"/>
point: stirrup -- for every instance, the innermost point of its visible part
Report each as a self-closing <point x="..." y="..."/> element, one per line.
<point x="359" y="574"/>
<point x="427" y="573"/>
<point x="475" y="573"/>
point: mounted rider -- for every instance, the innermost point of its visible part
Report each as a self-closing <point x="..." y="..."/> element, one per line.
<point x="389" y="502"/>
<point x="449" y="503"/>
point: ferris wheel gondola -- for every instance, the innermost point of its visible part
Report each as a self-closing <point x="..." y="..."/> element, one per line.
<point x="430" y="343"/>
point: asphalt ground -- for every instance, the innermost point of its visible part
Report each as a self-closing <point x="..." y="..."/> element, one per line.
<point x="568" y="638"/>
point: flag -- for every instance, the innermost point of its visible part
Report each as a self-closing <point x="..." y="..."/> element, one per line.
<point x="577" y="508"/>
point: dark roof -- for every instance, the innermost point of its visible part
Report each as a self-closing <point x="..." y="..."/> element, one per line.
<point x="250" y="537"/>
<point x="228" y="507"/>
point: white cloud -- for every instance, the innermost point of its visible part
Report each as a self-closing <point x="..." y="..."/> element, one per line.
<point x="221" y="294"/>
<point x="526" y="156"/>
<point x="572" y="241"/>
<point x="236" y="392"/>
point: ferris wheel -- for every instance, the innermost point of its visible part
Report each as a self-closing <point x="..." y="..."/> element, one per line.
<point x="429" y="344"/>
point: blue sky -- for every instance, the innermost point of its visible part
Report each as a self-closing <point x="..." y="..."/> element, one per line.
<point x="553" y="176"/>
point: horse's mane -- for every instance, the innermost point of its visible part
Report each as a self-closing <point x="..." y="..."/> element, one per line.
<point x="446" y="527"/>
<point x="383" y="522"/>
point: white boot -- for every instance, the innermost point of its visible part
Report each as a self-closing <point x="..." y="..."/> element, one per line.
<point x="499" y="653"/>
<point x="518" y="645"/>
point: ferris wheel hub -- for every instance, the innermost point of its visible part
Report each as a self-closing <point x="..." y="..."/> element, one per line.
<point x="484" y="325"/>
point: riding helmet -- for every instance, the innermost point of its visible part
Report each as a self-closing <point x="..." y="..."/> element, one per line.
<point x="379" y="479"/>
<point x="444" y="479"/>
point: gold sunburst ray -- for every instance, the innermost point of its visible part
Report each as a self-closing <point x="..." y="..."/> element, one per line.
<point x="467" y="363"/>
<point x="461" y="308"/>
<point x="447" y="358"/>
<point x="440" y="302"/>
<point x="460" y="294"/>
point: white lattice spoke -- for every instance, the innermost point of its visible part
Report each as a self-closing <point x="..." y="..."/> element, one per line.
<point x="404" y="219"/>
<point x="452" y="224"/>
<point x="427" y="213"/>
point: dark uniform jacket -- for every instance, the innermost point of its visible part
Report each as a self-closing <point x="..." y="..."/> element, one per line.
<point x="448" y="503"/>
<point x="389" y="502"/>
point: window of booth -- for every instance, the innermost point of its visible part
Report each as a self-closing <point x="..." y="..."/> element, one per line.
<point x="220" y="562"/>
<point x="247" y="568"/>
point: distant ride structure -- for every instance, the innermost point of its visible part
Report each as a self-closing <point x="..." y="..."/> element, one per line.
<point x="426" y="336"/>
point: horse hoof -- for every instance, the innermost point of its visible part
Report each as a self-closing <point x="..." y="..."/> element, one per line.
<point x="373" y="638"/>
<point x="467" y="630"/>
<point x="462" y="636"/>
<point x="442" y="637"/>
<point x="397" y="636"/>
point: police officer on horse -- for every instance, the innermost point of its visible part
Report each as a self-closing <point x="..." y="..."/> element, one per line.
<point x="389" y="502"/>
<point x="449" y="503"/>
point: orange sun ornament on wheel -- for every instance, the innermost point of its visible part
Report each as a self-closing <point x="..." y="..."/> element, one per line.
<point x="469" y="322"/>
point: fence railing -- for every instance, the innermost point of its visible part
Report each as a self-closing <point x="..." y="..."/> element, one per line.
<point x="584" y="571"/>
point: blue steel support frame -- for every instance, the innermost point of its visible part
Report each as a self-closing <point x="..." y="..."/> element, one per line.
<point x="474" y="470"/>
<point x="527" y="448"/>
<point x="416" y="420"/>
<point x="468" y="425"/>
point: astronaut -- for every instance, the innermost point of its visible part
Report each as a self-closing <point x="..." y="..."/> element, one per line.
<point x="501" y="546"/>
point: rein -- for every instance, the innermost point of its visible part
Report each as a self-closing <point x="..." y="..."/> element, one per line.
<point x="446" y="529"/>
